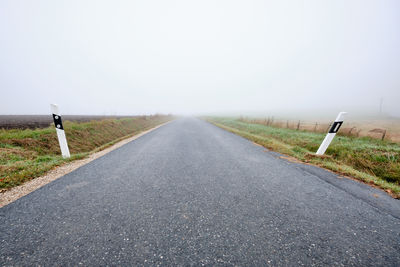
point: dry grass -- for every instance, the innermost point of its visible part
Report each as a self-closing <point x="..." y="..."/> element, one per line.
<point x="388" y="128"/>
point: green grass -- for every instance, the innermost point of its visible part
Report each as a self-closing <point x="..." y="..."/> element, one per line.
<point x="370" y="160"/>
<point x="27" y="154"/>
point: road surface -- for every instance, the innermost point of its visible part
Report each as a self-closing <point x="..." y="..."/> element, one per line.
<point x="190" y="193"/>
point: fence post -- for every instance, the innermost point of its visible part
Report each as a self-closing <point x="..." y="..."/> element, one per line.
<point x="62" y="140"/>
<point x="329" y="126"/>
<point x="383" y="135"/>
<point x="332" y="132"/>
<point x="298" y="125"/>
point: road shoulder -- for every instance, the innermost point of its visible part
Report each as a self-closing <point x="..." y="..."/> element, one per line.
<point x="17" y="192"/>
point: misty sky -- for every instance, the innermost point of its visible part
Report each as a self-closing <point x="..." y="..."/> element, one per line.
<point x="191" y="57"/>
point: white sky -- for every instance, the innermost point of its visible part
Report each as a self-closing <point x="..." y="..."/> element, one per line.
<point x="135" y="57"/>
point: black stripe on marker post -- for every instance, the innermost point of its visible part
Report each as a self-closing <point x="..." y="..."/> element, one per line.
<point x="58" y="122"/>
<point x="335" y="126"/>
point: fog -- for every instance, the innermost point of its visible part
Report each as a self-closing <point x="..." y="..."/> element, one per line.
<point x="200" y="57"/>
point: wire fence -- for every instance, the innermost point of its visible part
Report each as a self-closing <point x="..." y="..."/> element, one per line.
<point x="347" y="129"/>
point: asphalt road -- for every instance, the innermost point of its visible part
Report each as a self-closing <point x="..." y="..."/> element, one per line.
<point x="190" y="193"/>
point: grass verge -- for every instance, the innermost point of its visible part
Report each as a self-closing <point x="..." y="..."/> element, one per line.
<point x="370" y="160"/>
<point x="27" y="154"/>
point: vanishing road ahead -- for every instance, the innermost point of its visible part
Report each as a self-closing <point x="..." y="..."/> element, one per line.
<point x="189" y="193"/>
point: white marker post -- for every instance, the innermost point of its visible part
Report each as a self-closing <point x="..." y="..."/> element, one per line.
<point x="332" y="132"/>
<point x="62" y="140"/>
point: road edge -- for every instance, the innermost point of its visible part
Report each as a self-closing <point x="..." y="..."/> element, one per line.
<point x="17" y="192"/>
<point x="298" y="161"/>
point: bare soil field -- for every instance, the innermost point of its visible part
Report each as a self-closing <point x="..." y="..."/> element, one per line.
<point x="43" y="121"/>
